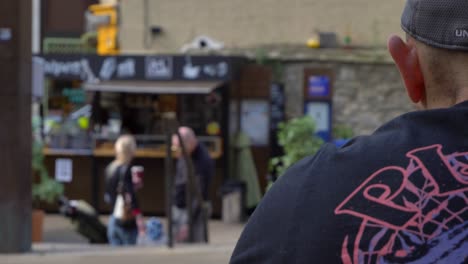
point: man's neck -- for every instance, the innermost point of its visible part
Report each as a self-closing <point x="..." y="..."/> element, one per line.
<point x="441" y="101"/>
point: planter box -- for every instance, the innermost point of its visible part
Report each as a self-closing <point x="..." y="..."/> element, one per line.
<point x="37" y="225"/>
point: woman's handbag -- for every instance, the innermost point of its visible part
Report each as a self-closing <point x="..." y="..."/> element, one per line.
<point x="123" y="203"/>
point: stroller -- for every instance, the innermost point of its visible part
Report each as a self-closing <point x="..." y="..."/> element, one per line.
<point x="85" y="219"/>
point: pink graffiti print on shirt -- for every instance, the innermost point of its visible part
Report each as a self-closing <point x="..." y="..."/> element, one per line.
<point x="417" y="214"/>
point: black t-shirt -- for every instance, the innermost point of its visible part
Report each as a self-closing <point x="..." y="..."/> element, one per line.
<point x="114" y="172"/>
<point x="397" y="196"/>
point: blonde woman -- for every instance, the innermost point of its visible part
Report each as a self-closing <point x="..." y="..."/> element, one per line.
<point x="123" y="227"/>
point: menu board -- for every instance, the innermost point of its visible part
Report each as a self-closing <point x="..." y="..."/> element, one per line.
<point x="255" y="121"/>
<point x="277" y="115"/>
<point x="278" y="101"/>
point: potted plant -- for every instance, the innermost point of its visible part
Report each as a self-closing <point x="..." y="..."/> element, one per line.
<point x="44" y="188"/>
<point x="298" y="139"/>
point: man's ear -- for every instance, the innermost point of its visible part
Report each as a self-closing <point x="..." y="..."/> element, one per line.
<point x="407" y="61"/>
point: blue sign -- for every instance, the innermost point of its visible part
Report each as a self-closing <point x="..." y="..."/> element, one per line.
<point x="319" y="86"/>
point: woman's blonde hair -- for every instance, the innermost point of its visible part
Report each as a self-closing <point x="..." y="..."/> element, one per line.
<point x="125" y="148"/>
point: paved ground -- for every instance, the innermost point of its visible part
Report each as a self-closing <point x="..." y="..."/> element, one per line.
<point x="62" y="245"/>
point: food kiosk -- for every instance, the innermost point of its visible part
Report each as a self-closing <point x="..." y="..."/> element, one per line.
<point x="90" y="100"/>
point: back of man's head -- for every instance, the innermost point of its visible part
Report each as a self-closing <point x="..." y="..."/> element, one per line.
<point x="188" y="137"/>
<point x="437" y="23"/>
<point x="438" y="35"/>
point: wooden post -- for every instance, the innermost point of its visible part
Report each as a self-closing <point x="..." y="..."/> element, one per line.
<point x="169" y="181"/>
<point x="15" y="118"/>
<point x="193" y="193"/>
<point x="188" y="188"/>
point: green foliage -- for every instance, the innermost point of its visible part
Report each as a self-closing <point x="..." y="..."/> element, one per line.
<point x="276" y="66"/>
<point x="46" y="189"/>
<point x="261" y="56"/>
<point x="342" y="132"/>
<point x="298" y="139"/>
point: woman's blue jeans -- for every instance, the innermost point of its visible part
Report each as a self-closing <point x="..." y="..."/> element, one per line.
<point x="120" y="236"/>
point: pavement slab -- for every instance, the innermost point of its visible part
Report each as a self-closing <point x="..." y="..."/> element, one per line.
<point x="63" y="245"/>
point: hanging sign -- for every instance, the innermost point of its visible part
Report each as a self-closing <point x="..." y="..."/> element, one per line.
<point x="92" y="68"/>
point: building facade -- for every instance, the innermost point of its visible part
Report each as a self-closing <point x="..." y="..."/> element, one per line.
<point x="367" y="88"/>
<point x="244" y="23"/>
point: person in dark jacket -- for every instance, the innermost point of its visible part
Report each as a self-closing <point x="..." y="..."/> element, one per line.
<point x="119" y="180"/>
<point x="399" y="195"/>
<point x="203" y="169"/>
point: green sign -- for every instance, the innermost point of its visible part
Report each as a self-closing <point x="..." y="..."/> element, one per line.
<point x="76" y="96"/>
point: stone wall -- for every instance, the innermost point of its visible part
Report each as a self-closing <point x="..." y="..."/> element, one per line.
<point x="366" y="95"/>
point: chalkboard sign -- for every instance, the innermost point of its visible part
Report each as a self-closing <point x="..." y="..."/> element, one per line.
<point x="255" y="121"/>
<point x="278" y="101"/>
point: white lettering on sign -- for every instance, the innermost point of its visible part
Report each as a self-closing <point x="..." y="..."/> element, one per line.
<point x="79" y="68"/>
<point x="216" y="70"/>
<point x="158" y="67"/>
<point x="209" y="70"/>
<point x="108" y="68"/>
<point x="222" y="69"/>
<point x="191" y="71"/>
<point x="87" y="74"/>
<point x="57" y="68"/>
<point x="126" y="69"/>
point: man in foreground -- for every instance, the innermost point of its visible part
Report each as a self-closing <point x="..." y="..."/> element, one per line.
<point x="399" y="195"/>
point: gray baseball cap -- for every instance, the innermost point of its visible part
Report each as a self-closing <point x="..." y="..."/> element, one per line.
<point x="437" y="23"/>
